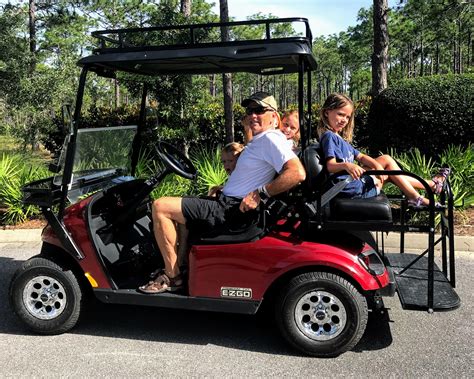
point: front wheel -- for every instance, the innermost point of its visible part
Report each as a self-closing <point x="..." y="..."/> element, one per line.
<point x="321" y="314"/>
<point x="46" y="296"/>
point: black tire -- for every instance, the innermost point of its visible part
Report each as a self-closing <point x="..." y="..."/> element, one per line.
<point x="321" y="314"/>
<point x="46" y="296"/>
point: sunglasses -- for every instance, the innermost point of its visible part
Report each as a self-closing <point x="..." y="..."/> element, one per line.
<point x="256" y="110"/>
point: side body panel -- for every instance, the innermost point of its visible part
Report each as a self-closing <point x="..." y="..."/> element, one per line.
<point x="76" y="224"/>
<point x="256" y="265"/>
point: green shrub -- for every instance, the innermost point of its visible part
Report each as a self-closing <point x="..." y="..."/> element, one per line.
<point x="461" y="162"/>
<point x="428" y="113"/>
<point x="211" y="172"/>
<point x="15" y="172"/>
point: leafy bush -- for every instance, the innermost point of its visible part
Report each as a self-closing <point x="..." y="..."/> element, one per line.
<point x="461" y="162"/>
<point x="211" y="172"/>
<point x="15" y="172"/>
<point x="428" y="113"/>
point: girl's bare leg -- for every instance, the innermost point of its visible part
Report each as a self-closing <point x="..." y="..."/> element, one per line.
<point x="403" y="182"/>
<point x="388" y="163"/>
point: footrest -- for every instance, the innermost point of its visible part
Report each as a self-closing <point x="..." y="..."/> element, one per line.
<point x="412" y="285"/>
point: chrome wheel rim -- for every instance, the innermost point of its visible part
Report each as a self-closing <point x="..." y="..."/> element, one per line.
<point x="44" y="297"/>
<point x="320" y="315"/>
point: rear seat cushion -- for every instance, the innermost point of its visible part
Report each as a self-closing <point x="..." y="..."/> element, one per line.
<point x="370" y="209"/>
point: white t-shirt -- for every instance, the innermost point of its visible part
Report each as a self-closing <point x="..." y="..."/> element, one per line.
<point x="258" y="163"/>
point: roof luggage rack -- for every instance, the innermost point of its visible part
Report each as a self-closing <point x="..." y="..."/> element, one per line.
<point x="199" y="49"/>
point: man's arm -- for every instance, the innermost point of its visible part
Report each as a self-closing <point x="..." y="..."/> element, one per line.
<point x="292" y="173"/>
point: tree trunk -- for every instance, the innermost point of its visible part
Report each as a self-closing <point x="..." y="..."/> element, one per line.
<point x="422" y="57"/>
<point x="454" y="56"/>
<point x="380" y="52"/>
<point x="32" y="31"/>
<point x="212" y="85"/>
<point x="469" y="49"/>
<point x="437" y="59"/>
<point x="459" y="48"/>
<point x="227" y="78"/>
<point x="186" y="8"/>
<point x="116" y="93"/>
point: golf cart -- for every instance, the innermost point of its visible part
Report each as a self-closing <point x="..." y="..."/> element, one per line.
<point x="316" y="260"/>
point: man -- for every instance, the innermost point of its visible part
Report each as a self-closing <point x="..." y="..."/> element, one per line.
<point x="253" y="179"/>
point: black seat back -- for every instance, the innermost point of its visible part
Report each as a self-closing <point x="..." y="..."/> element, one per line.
<point x="313" y="162"/>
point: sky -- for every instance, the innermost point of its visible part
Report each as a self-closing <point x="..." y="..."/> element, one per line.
<point x="325" y="16"/>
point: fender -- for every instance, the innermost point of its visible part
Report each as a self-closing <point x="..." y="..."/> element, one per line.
<point x="75" y="225"/>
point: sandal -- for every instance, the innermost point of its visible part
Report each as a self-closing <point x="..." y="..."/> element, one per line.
<point x="440" y="178"/>
<point x="154" y="274"/>
<point x="418" y="203"/>
<point x="162" y="283"/>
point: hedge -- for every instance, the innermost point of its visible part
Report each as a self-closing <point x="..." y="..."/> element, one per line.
<point x="429" y="113"/>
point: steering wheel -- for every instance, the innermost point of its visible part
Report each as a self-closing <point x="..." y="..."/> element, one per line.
<point x="176" y="161"/>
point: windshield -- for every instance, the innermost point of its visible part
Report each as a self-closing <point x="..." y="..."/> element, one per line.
<point x="102" y="158"/>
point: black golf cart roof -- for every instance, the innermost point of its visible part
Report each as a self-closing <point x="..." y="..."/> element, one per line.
<point x="200" y="51"/>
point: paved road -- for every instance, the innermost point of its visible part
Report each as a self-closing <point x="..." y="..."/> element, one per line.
<point x="125" y="341"/>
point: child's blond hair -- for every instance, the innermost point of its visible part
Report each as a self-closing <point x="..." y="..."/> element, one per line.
<point x="336" y="101"/>
<point x="234" y="148"/>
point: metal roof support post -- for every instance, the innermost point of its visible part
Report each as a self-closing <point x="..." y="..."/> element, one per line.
<point x="308" y="99"/>
<point x="140" y="130"/>
<point x="301" y="101"/>
<point x="71" y="148"/>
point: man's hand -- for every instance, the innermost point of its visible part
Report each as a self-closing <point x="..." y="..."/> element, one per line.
<point x="292" y="173"/>
<point x="250" y="202"/>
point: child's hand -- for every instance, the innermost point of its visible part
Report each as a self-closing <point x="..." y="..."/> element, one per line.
<point x="354" y="170"/>
<point x="382" y="178"/>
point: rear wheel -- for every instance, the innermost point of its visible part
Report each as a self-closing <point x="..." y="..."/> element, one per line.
<point x="321" y="314"/>
<point x="46" y="296"/>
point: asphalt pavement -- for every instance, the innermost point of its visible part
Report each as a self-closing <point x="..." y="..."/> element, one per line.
<point x="128" y="341"/>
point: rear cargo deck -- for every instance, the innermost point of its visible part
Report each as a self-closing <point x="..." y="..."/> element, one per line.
<point x="412" y="285"/>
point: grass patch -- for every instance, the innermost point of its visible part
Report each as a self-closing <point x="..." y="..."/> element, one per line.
<point x="7" y="145"/>
<point x="10" y="146"/>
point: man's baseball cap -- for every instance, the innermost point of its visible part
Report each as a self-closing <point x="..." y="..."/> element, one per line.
<point x="261" y="98"/>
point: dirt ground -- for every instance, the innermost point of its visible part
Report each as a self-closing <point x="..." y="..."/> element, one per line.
<point x="463" y="223"/>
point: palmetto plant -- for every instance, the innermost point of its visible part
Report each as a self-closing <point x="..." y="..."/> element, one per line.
<point x="15" y="173"/>
<point x="209" y="166"/>
<point x="461" y="162"/>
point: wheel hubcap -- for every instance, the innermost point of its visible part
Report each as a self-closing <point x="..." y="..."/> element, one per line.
<point x="44" y="297"/>
<point x="320" y="315"/>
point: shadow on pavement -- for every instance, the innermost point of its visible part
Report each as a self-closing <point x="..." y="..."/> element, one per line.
<point x="9" y="324"/>
<point x="243" y="332"/>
